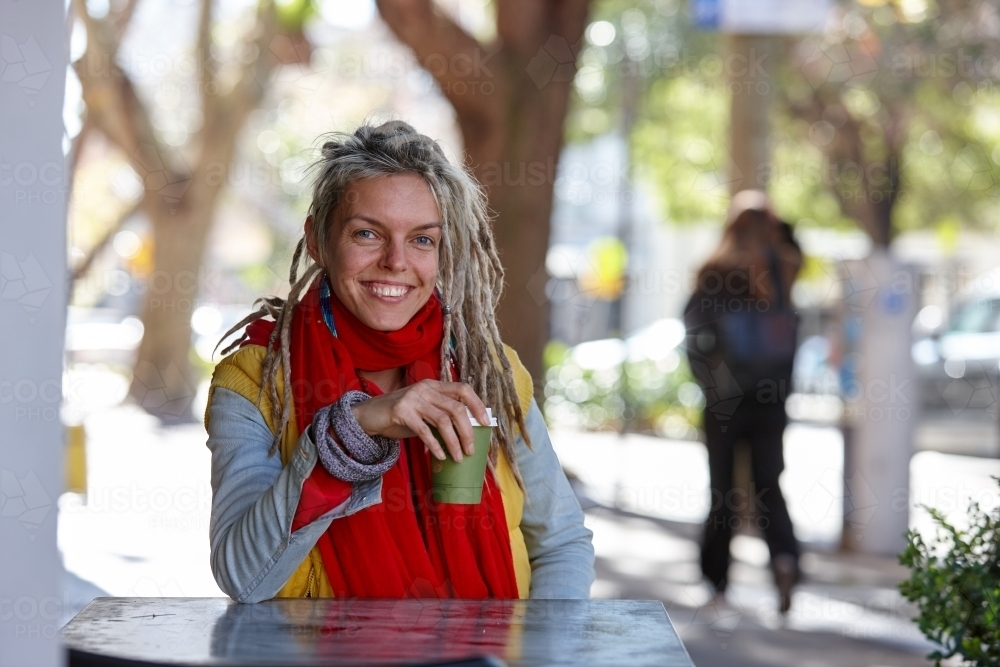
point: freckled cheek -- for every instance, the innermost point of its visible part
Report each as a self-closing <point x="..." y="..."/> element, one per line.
<point x="353" y="263"/>
<point x="426" y="266"/>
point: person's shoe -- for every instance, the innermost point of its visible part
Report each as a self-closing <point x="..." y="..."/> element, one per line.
<point x="718" y="599"/>
<point x="786" y="571"/>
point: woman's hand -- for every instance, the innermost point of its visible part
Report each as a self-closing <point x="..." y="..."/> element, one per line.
<point x="410" y="412"/>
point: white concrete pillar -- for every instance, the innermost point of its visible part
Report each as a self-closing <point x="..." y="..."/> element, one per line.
<point x="33" y="194"/>
<point x="881" y="401"/>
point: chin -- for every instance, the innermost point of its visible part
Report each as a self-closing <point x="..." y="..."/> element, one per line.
<point x="388" y="317"/>
<point x="387" y="323"/>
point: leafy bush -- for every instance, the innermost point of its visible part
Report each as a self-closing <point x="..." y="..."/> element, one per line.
<point x="655" y="396"/>
<point x="955" y="582"/>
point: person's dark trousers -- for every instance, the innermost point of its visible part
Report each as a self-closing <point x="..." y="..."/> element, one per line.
<point x="762" y="427"/>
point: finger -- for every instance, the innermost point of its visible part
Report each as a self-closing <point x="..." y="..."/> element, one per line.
<point x="431" y="443"/>
<point x="467" y="395"/>
<point x="442" y="419"/>
<point x="460" y="418"/>
<point x="475" y="404"/>
<point x="448" y="414"/>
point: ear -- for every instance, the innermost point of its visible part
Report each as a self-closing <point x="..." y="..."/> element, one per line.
<point x="311" y="241"/>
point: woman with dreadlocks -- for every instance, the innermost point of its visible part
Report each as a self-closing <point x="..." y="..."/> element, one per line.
<point x="319" y="421"/>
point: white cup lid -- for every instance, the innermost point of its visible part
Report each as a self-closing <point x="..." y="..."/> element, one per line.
<point x="475" y="422"/>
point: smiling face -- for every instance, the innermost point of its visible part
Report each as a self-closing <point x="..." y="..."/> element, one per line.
<point x="382" y="255"/>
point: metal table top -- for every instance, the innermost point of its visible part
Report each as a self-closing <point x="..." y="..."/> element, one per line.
<point x="330" y="632"/>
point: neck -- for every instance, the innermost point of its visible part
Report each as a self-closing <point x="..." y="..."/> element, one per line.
<point x="387" y="381"/>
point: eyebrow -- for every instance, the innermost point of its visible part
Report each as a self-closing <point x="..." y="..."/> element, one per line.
<point x="374" y="221"/>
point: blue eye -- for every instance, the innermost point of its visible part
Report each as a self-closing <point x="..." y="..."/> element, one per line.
<point x="363" y="232"/>
<point x="425" y="240"/>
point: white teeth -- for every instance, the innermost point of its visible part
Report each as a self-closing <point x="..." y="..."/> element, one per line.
<point x="388" y="291"/>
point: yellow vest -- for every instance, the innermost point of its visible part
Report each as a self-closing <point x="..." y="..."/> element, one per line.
<point x="241" y="372"/>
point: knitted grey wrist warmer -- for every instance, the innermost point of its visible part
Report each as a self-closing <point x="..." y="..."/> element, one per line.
<point x="360" y="457"/>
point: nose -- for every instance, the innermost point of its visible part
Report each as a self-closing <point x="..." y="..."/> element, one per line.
<point x="394" y="256"/>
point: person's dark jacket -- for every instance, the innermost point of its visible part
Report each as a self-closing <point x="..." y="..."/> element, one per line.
<point x="739" y="343"/>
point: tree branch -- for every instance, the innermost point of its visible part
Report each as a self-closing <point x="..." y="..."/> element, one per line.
<point x="569" y="19"/>
<point x="76" y="148"/>
<point x="254" y="76"/>
<point x="88" y="261"/>
<point x="123" y="17"/>
<point x="112" y="103"/>
<point x="203" y="49"/>
<point x="524" y="26"/>
<point x="224" y="114"/>
<point x="460" y="65"/>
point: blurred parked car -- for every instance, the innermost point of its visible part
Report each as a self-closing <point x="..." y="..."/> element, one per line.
<point x="958" y="361"/>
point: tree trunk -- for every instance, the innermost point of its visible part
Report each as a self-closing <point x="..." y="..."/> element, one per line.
<point x="163" y="381"/>
<point x="179" y="203"/>
<point x="511" y="100"/>
<point x="519" y="179"/>
<point x="750" y="62"/>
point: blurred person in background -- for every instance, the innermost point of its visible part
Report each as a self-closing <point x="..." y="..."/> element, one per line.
<point x="741" y="339"/>
<point x="320" y="422"/>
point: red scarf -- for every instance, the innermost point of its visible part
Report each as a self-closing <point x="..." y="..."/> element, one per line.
<point x="406" y="545"/>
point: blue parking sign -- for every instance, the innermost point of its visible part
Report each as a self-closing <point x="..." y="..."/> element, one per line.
<point x="706" y="14"/>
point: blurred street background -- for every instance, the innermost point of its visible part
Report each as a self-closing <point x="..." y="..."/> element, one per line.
<point x="610" y="136"/>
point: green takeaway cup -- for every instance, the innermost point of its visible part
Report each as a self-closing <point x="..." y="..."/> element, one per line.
<point x="461" y="483"/>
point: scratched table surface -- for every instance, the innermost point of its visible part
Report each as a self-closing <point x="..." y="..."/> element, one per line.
<point x="335" y="633"/>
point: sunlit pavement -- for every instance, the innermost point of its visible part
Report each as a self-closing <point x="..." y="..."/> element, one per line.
<point x="847" y="612"/>
<point x="143" y="531"/>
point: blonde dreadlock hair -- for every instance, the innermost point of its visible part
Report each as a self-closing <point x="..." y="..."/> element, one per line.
<point x="470" y="276"/>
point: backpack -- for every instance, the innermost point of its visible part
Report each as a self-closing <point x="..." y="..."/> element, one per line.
<point x="752" y="337"/>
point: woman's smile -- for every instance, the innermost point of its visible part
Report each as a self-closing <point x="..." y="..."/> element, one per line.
<point x="388" y="292"/>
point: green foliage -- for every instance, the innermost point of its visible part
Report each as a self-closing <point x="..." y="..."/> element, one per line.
<point x="679" y="140"/>
<point x="293" y="14"/>
<point x="680" y="144"/>
<point x="655" y="396"/>
<point x="801" y="179"/>
<point x="955" y="582"/>
<point x="893" y="88"/>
